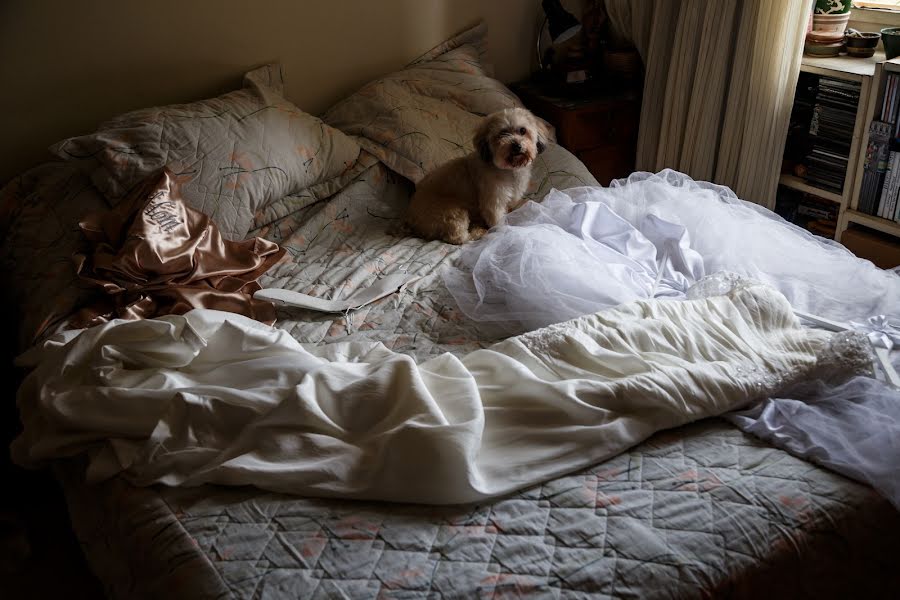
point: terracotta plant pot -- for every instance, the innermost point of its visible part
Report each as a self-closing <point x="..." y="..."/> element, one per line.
<point x="828" y="28"/>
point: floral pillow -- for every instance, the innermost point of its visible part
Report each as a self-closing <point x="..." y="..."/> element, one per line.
<point x="418" y="118"/>
<point x="233" y="154"/>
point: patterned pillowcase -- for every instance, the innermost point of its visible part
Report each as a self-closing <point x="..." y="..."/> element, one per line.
<point x="234" y="154"/>
<point x="418" y="118"/>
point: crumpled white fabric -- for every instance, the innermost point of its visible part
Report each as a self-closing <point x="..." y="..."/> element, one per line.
<point x="852" y="428"/>
<point x="212" y="397"/>
<point x="584" y="249"/>
<point x="587" y="248"/>
<point x="560" y="259"/>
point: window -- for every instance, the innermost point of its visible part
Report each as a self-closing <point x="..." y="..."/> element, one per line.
<point x="883" y="4"/>
<point x="864" y="18"/>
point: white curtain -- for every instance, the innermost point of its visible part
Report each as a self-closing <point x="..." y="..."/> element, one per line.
<point x="719" y="85"/>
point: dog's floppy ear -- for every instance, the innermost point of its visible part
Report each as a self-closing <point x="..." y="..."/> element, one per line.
<point x="546" y="134"/>
<point x="482" y="140"/>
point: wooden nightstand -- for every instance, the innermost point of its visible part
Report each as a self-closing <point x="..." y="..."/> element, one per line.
<point x="599" y="126"/>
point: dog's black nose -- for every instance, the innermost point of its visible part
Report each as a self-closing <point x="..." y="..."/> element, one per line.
<point x="516" y="148"/>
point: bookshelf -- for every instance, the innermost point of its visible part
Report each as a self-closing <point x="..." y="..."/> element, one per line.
<point x="853" y="214"/>
<point x="874" y="222"/>
<point x="869" y="236"/>
<point x="866" y="72"/>
<point x="797" y="183"/>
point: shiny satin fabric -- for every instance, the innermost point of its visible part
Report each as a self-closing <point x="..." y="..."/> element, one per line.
<point x="153" y="255"/>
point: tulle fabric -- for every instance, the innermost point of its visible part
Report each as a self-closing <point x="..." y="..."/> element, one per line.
<point x="853" y="429"/>
<point x="656" y="236"/>
<point x="653" y="235"/>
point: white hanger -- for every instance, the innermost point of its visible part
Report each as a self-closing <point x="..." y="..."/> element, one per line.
<point x="882" y="354"/>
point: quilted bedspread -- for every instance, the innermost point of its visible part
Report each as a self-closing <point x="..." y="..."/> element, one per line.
<point x="700" y="511"/>
<point x="345" y="243"/>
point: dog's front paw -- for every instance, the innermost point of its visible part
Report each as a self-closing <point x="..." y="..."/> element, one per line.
<point x="476" y="233"/>
<point x="492" y="215"/>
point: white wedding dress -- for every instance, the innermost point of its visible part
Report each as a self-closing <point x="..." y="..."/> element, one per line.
<point x="656" y="236"/>
<point x="213" y="397"/>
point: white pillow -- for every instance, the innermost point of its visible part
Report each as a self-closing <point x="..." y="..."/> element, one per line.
<point x="233" y="154"/>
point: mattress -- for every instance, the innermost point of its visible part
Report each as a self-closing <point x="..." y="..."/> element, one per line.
<point x="700" y="511"/>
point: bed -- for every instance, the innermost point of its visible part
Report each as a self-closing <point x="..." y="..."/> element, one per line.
<point x="699" y="511"/>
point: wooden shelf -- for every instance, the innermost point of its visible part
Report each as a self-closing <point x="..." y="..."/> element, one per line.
<point x="869" y="73"/>
<point x="893" y="65"/>
<point x="842" y="67"/>
<point x="882" y="225"/>
<point x="796" y="183"/>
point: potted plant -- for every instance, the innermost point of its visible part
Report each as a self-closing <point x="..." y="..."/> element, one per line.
<point x="830" y="19"/>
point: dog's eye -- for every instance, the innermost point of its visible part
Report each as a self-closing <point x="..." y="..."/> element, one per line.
<point x="522" y="131"/>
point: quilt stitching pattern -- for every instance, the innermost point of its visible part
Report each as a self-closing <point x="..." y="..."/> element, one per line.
<point x="347" y="243"/>
<point x="668" y="518"/>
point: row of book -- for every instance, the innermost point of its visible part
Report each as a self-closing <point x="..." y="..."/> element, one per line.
<point x="880" y="188"/>
<point x="831" y="133"/>
<point x="878" y="154"/>
<point x="890" y="102"/>
<point x="881" y="174"/>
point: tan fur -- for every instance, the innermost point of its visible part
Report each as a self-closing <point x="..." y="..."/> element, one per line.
<point x="461" y="199"/>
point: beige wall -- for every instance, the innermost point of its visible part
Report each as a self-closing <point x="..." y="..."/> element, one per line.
<point x="66" y="65"/>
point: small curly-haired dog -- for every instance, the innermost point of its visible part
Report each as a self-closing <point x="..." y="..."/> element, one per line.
<point x="461" y="199"/>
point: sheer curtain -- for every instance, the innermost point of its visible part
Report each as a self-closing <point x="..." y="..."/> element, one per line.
<point x="718" y="88"/>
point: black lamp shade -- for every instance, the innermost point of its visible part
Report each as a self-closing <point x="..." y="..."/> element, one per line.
<point x="561" y="23"/>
